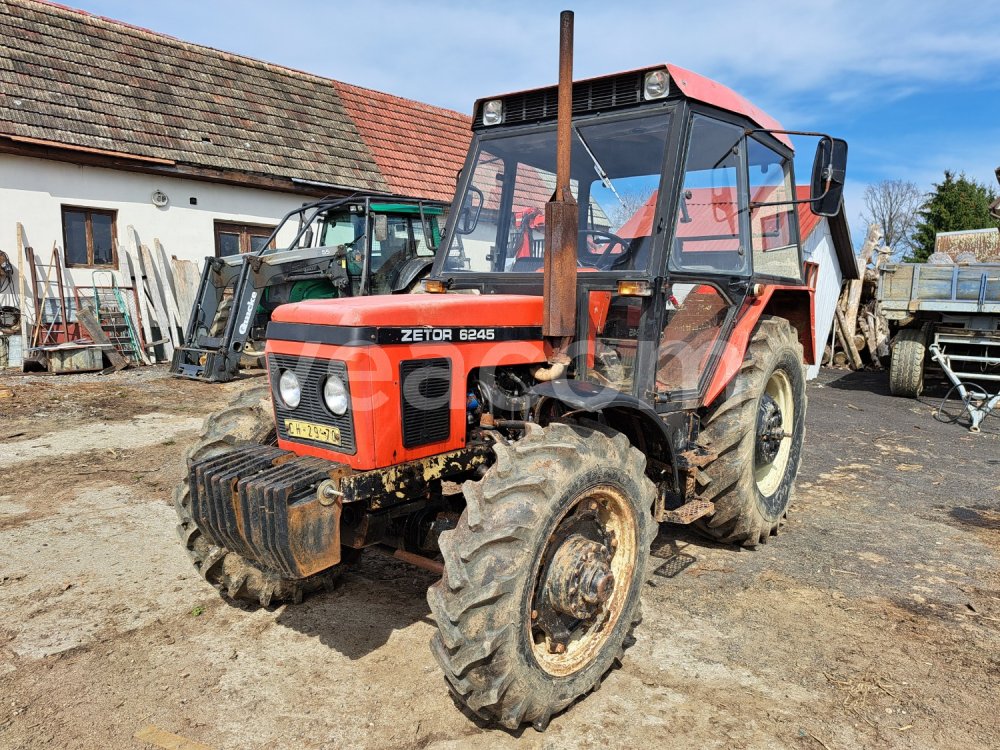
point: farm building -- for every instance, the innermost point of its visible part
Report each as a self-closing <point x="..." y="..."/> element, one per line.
<point x="106" y="127"/>
<point x="827" y="243"/>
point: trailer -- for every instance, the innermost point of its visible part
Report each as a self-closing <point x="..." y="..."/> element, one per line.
<point x="948" y="314"/>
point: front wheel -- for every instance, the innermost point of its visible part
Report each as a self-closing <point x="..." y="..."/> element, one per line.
<point x="247" y="420"/>
<point x="756" y="432"/>
<point x="543" y="573"/>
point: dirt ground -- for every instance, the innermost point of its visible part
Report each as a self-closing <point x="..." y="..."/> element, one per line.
<point x="873" y="621"/>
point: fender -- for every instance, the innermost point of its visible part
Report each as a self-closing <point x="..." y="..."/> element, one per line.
<point x="794" y="303"/>
<point x="636" y="419"/>
<point x="410" y="271"/>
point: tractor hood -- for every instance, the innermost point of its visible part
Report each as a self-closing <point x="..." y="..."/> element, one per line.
<point x="415" y="310"/>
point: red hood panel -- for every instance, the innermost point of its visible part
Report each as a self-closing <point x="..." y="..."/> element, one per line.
<point x="416" y="310"/>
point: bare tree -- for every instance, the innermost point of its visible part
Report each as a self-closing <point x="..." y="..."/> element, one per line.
<point x="894" y="206"/>
<point x="626" y="206"/>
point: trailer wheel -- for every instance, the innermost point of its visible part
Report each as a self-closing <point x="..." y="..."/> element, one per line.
<point x="756" y="432"/>
<point x="543" y="573"/>
<point x="246" y="420"/>
<point x="906" y="369"/>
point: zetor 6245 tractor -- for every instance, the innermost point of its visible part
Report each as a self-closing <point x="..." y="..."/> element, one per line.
<point x="625" y="354"/>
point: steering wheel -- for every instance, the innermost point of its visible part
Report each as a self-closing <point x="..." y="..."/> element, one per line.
<point x="606" y="258"/>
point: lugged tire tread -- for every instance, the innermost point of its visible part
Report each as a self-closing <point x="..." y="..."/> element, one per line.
<point x="503" y="510"/>
<point x="728" y="431"/>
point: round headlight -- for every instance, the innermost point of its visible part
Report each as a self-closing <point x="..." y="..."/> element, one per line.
<point x="289" y="389"/>
<point x="493" y="112"/>
<point x="656" y="85"/>
<point x="335" y="395"/>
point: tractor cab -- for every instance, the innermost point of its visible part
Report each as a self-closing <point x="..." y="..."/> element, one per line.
<point x="382" y="248"/>
<point x="686" y="210"/>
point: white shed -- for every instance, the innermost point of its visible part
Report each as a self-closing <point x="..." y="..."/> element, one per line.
<point x="827" y="243"/>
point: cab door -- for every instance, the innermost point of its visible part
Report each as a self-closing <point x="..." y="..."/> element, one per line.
<point x="708" y="260"/>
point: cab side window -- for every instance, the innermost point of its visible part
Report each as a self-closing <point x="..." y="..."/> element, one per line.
<point x="710" y="235"/>
<point x="772" y="228"/>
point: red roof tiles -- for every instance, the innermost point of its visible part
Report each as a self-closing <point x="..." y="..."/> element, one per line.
<point x="418" y="149"/>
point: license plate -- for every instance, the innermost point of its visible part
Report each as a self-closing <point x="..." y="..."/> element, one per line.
<point x="308" y="431"/>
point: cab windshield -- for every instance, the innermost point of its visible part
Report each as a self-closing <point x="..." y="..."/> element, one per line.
<point x="615" y="177"/>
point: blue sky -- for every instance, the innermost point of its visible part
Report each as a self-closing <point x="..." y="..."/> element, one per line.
<point x="914" y="86"/>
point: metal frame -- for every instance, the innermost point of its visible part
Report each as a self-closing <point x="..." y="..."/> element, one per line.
<point x="978" y="403"/>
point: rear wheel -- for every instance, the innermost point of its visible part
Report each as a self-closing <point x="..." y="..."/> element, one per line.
<point x="543" y="573"/>
<point x="906" y="369"/>
<point x="756" y="432"/>
<point x="248" y="419"/>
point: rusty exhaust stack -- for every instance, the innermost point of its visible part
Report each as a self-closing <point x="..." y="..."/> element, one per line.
<point x="561" y="216"/>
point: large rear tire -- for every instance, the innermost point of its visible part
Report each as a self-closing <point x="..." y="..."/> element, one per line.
<point x="906" y="369"/>
<point x="528" y="618"/>
<point x="248" y="419"/>
<point x="756" y="430"/>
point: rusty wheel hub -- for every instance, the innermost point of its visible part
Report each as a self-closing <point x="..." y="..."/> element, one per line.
<point x="770" y="430"/>
<point x="582" y="580"/>
<point x="579" y="579"/>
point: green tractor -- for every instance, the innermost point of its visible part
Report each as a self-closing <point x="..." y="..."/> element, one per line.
<point x="343" y="247"/>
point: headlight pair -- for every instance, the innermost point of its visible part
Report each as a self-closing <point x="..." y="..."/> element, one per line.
<point x="334" y="392"/>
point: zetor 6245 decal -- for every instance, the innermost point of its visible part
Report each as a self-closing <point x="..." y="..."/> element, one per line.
<point x="579" y="371"/>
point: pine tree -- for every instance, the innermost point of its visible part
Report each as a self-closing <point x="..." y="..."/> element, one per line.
<point x="954" y="205"/>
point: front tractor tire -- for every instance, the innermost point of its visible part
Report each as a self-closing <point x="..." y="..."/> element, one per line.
<point x="543" y="573"/>
<point x="248" y="419"/>
<point x="756" y="432"/>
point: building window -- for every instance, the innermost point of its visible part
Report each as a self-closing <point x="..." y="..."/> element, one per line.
<point x="89" y="237"/>
<point x="233" y="239"/>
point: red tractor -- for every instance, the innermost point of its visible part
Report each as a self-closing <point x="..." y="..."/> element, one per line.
<point x="626" y="354"/>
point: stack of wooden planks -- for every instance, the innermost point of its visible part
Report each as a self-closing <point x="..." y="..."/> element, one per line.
<point x="158" y="291"/>
<point x="860" y="336"/>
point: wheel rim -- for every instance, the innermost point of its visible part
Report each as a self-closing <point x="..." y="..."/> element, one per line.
<point x="583" y="580"/>
<point x="775" y="422"/>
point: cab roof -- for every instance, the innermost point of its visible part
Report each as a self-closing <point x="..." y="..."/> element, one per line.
<point x="625" y="89"/>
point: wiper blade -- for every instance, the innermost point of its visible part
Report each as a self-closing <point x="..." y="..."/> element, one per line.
<point x="598" y="168"/>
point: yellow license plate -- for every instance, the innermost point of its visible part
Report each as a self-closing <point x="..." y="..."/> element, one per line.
<point x="309" y="431"/>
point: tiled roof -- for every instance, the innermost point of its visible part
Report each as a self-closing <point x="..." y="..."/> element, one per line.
<point x="808" y="221"/>
<point x="419" y="149"/>
<point x="88" y="82"/>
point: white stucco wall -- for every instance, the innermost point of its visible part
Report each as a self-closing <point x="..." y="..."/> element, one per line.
<point x="32" y="192"/>
<point x="819" y="249"/>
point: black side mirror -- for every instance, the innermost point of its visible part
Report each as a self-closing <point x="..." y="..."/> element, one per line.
<point x="429" y="231"/>
<point x="828" y="175"/>
<point x="381" y="227"/>
<point x="471" y="208"/>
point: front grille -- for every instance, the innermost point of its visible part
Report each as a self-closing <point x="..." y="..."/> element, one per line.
<point x="588" y="96"/>
<point x="425" y="391"/>
<point x="311" y="374"/>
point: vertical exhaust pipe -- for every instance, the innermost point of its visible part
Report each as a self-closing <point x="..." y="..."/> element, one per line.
<point x="561" y="220"/>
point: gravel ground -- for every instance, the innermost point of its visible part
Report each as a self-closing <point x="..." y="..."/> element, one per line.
<point x="873" y="621"/>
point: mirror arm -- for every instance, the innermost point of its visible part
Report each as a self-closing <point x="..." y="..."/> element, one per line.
<point x="751" y="131"/>
<point x="758" y="204"/>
